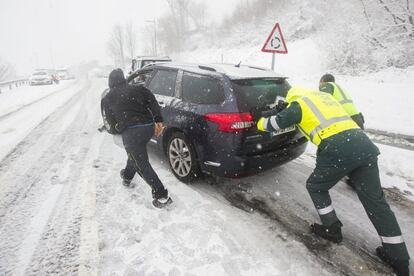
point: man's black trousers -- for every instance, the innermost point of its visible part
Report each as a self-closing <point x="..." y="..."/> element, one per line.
<point x="135" y="141"/>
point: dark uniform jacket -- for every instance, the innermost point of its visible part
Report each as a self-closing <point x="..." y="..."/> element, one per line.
<point x="126" y="105"/>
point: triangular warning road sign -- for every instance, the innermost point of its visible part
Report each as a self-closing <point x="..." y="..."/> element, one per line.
<point x="275" y="43"/>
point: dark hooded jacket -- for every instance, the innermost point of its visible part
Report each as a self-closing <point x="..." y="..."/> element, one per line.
<point x="126" y="105"/>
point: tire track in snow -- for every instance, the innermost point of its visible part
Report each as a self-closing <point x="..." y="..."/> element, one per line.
<point x="391" y="139"/>
<point x="8" y="114"/>
<point x="58" y="160"/>
<point x="27" y="144"/>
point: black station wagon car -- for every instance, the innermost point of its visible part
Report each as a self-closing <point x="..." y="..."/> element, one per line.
<point x="210" y="113"/>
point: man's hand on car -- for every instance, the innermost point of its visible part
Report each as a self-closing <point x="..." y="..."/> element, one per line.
<point x="159" y="128"/>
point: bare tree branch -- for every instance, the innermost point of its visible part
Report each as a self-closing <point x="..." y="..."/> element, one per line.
<point x="394" y="17"/>
<point x="130" y="39"/>
<point x="116" y="45"/>
<point x="6" y="70"/>
<point x="366" y="15"/>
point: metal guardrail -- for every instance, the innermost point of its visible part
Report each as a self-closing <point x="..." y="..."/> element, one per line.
<point x="12" y="84"/>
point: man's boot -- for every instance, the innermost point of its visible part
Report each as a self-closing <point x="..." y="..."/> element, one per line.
<point x="161" y="198"/>
<point x="400" y="267"/>
<point x="162" y="202"/>
<point x="125" y="181"/>
<point x="332" y="233"/>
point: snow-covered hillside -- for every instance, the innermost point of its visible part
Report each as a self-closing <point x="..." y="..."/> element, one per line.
<point x="351" y="36"/>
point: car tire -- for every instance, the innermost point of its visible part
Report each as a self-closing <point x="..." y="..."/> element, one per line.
<point x="182" y="158"/>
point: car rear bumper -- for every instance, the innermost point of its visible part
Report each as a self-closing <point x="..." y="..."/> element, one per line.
<point x="240" y="166"/>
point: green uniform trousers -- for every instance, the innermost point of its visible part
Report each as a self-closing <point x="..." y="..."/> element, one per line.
<point x="352" y="154"/>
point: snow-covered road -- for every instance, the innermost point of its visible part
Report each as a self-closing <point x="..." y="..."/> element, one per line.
<point x="64" y="211"/>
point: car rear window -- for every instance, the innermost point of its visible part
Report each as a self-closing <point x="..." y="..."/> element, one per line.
<point x="200" y="89"/>
<point x="258" y="93"/>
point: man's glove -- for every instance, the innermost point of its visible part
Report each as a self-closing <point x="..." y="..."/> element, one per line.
<point x="102" y="128"/>
<point x="158" y="129"/>
<point x="281" y="105"/>
<point x="261" y="124"/>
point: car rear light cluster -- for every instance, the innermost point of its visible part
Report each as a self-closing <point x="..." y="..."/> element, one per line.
<point x="231" y="122"/>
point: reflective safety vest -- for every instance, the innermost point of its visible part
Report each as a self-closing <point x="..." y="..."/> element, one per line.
<point x="322" y="116"/>
<point x="344" y="99"/>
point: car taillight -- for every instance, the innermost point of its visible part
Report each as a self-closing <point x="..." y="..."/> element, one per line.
<point x="231" y="122"/>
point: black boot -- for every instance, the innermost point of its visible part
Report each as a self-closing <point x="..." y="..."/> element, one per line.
<point x="332" y="233"/>
<point x="400" y="267"/>
<point x="125" y="181"/>
<point x="162" y="202"/>
<point x="161" y="198"/>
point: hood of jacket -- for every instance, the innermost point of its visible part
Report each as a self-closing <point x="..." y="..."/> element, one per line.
<point x="116" y="79"/>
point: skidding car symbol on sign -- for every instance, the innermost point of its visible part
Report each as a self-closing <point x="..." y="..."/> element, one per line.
<point x="275" y="43"/>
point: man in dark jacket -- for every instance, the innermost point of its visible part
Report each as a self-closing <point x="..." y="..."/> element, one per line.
<point x="327" y="84"/>
<point x="134" y="113"/>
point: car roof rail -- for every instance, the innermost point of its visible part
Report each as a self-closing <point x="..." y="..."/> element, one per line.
<point x="207" y="68"/>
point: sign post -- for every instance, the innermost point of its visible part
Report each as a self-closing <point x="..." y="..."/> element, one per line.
<point x="275" y="43"/>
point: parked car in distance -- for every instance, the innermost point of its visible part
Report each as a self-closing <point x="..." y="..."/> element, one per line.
<point x="210" y="114"/>
<point x="62" y="74"/>
<point x="40" y="78"/>
<point x="142" y="61"/>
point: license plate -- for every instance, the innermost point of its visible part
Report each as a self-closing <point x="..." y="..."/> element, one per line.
<point x="281" y="131"/>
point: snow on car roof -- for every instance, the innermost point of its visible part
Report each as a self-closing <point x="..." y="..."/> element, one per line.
<point x="152" y="58"/>
<point x="232" y="71"/>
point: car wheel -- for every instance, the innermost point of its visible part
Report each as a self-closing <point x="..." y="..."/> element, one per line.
<point x="182" y="158"/>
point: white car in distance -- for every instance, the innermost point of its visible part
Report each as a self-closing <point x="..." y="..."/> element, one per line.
<point x="40" y="78"/>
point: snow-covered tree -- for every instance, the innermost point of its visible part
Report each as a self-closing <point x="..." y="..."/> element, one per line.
<point x="130" y="39"/>
<point x="7" y="71"/>
<point x="116" y="45"/>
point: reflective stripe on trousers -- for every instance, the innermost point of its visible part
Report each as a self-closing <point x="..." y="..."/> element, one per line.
<point x="324" y="123"/>
<point x="392" y="240"/>
<point x="325" y="210"/>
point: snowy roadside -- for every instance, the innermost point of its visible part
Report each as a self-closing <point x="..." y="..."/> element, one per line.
<point x="385" y="98"/>
<point x="396" y="169"/>
<point x="12" y="100"/>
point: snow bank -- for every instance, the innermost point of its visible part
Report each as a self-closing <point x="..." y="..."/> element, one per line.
<point x="396" y="169"/>
<point x="385" y="98"/>
<point x="11" y="100"/>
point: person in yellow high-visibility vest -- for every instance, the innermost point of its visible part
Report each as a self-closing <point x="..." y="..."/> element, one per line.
<point x="343" y="149"/>
<point x="327" y="84"/>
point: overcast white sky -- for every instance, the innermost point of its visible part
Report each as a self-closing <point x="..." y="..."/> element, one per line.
<point x="35" y="32"/>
